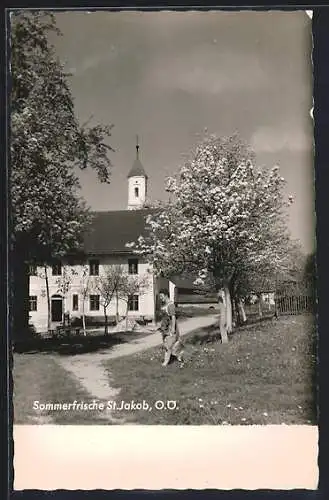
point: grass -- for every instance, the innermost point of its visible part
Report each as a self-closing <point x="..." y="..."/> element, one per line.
<point x="192" y="311"/>
<point x="67" y="345"/>
<point x="264" y="375"/>
<point x="252" y="312"/>
<point x="37" y="377"/>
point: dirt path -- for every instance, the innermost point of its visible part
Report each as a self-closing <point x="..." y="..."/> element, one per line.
<point x="95" y="378"/>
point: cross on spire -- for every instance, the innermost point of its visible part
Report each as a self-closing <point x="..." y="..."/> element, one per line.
<point x="137" y="146"/>
<point x="137" y="170"/>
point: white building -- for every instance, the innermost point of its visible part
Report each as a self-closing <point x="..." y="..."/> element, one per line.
<point x="104" y="245"/>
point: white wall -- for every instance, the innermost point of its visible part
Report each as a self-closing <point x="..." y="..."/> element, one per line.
<point x="38" y="288"/>
<point x="269" y="298"/>
<point x="140" y="183"/>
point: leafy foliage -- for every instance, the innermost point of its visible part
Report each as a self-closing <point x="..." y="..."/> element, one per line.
<point x="225" y="216"/>
<point x="112" y="280"/>
<point x="64" y="281"/>
<point x="116" y="282"/>
<point x="225" y="222"/>
<point x="47" y="144"/>
<point x="310" y="267"/>
<point x="132" y="285"/>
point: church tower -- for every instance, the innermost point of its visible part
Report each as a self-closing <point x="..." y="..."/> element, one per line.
<point x="137" y="183"/>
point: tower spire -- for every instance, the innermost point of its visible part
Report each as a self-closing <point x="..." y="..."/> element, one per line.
<point x="137" y="182"/>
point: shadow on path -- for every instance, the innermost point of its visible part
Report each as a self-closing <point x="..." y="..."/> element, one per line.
<point x="75" y="344"/>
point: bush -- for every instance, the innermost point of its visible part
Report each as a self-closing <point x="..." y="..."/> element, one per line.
<point x="32" y="333"/>
<point x="94" y="321"/>
<point x="76" y="321"/>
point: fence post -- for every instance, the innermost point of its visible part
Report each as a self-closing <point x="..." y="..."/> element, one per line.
<point x="276" y="297"/>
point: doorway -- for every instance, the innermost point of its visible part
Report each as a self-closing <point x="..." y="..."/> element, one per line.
<point x="56" y="308"/>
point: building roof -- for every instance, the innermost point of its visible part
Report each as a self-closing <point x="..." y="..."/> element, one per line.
<point x="184" y="283"/>
<point x="196" y="299"/>
<point x="137" y="169"/>
<point x="110" y="231"/>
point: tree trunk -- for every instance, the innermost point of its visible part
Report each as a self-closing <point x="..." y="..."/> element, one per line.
<point x="48" y="299"/>
<point x="234" y="303"/>
<point x="66" y="315"/>
<point x="235" y="316"/>
<point x="242" y="312"/>
<point x="106" y="329"/>
<point x="127" y="309"/>
<point x="236" y="312"/>
<point x="276" y="306"/>
<point x="19" y="298"/>
<point x="228" y="309"/>
<point x="117" y="307"/>
<point x="260" y="312"/>
<point x="83" y="317"/>
<point x="155" y="288"/>
<point x="222" y="318"/>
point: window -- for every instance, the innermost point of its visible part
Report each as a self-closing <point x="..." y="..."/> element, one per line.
<point x="94" y="267"/>
<point x="33" y="303"/>
<point x="133" y="266"/>
<point x="33" y="270"/>
<point x="75" y="302"/>
<point x="57" y="268"/>
<point x="94" y="302"/>
<point x="136" y="192"/>
<point x="133" y="303"/>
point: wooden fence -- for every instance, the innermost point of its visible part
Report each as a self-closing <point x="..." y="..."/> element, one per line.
<point x="295" y="304"/>
<point x="295" y="298"/>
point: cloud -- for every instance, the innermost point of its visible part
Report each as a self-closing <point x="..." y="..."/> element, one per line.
<point x="209" y="70"/>
<point x="93" y="61"/>
<point x="272" y="139"/>
<point x="166" y="23"/>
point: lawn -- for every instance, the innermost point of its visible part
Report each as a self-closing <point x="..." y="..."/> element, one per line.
<point x="191" y="311"/>
<point x="264" y="375"/>
<point x="37" y="377"/>
<point x="95" y="340"/>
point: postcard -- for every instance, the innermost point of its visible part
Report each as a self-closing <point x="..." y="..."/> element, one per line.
<point x="163" y="245"/>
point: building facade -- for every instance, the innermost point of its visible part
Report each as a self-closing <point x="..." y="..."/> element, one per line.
<point x="72" y="290"/>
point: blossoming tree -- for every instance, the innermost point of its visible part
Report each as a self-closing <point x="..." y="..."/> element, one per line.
<point x="132" y="285"/>
<point x="107" y="284"/>
<point x="225" y="219"/>
<point x="85" y="287"/>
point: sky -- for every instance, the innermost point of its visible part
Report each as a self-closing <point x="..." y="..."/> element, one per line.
<point x="168" y="76"/>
